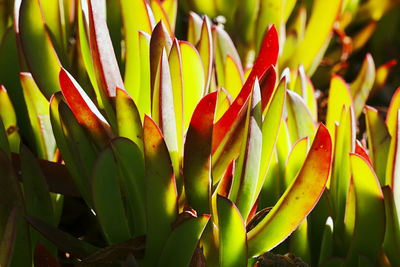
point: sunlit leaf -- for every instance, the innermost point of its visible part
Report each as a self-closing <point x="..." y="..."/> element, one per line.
<point x="247" y="166"/>
<point x="197" y="155"/>
<point x="84" y="109"/>
<point x="38" y="110"/>
<point x="161" y="197"/>
<point x="319" y="28"/>
<point x="136" y="17"/>
<point x="326" y="244"/>
<point x="143" y="98"/>
<point x="391" y="117"/>
<point x="105" y="183"/>
<point x="205" y="49"/>
<point x="299" y="243"/>
<point x="339" y="95"/>
<point x="378" y="142"/>
<point x="362" y="86"/>
<point x="245" y="20"/>
<point x="232" y="234"/>
<point x="9" y="120"/>
<point x="295" y="160"/>
<point x="194" y="28"/>
<point x="305" y="89"/>
<point x="361" y="151"/>
<point x="233" y="77"/>
<point x="182" y="242"/>
<point x="38" y="49"/>
<point x="391" y="242"/>
<point x="292" y="207"/>
<point x="171" y="9"/>
<point x="130" y="163"/>
<point x="128" y="118"/>
<point x="160" y="14"/>
<point x="369" y="212"/>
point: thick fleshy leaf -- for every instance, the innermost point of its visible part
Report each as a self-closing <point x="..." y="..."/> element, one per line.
<point x="105" y="183"/>
<point x="205" y="49"/>
<point x="38" y="50"/>
<point x="161" y="15"/>
<point x="339" y="95"/>
<point x="268" y="56"/>
<point x="163" y="110"/>
<point x="293" y="205"/>
<point x="299" y="243"/>
<point x="270" y="13"/>
<point x="9" y="70"/>
<point x="43" y="257"/>
<point x="270" y="128"/>
<point x="192" y="78"/>
<point x="38" y="110"/>
<point x="194" y="28"/>
<point x="369" y="212"/>
<point x="299" y="120"/>
<point x="105" y="64"/>
<point x="295" y="160"/>
<point x="362" y="86"/>
<point x="36" y="194"/>
<point x="378" y="142"/>
<point x="393" y="170"/>
<point x="182" y="242"/>
<point x="159" y="41"/>
<point x="232" y="234"/>
<point x="304" y="87"/>
<point x="171" y="9"/>
<point x="161" y="197"/>
<point x="84" y="109"/>
<point x="326" y="251"/>
<point x="391" y="117"/>
<point x="136" y="18"/>
<point x="381" y="75"/>
<point x="175" y="66"/>
<point x="4" y="145"/>
<point x="361" y="151"/>
<point x="130" y="162"/>
<point x="143" y="97"/>
<point x="115" y="27"/>
<point x="223" y="46"/>
<point x="233" y="77"/>
<point x="340" y="176"/>
<point x="247" y="167"/>
<point x="73" y="161"/>
<point x="319" y="27"/>
<point x="224" y="101"/>
<point x="245" y="20"/>
<point x="128" y="118"/>
<point x="197" y="155"/>
<point x="62" y="240"/>
<point x="7" y="115"/>
<point x="391" y="242"/>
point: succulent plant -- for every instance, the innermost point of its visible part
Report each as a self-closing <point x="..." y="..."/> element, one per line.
<point x="180" y="154"/>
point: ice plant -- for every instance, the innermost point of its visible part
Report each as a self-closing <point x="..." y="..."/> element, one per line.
<point x="182" y="156"/>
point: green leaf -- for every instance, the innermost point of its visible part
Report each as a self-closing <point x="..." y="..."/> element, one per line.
<point x="393" y="165"/>
<point x="42" y="257"/>
<point x="114" y="24"/>
<point x="300" y="121"/>
<point x="79" y="172"/>
<point x="293" y="207"/>
<point x="247" y="167"/>
<point x="136" y="17"/>
<point x="391" y="116"/>
<point x="245" y="20"/>
<point x="339" y="96"/>
<point x="326" y="244"/>
<point x="369" y="212"/>
<point x="107" y="198"/>
<point x="9" y="77"/>
<point x="391" y="242"/>
<point x="232" y="234"/>
<point x="131" y="168"/>
<point x="197" y="155"/>
<point x="319" y="27"/>
<point x="299" y="243"/>
<point x="363" y="84"/>
<point x="144" y="94"/>
<point x="192" y="78"/>
<point x="38" y="110"/>
<point x="182" y="242"/>
<point x="205" y="49"/>
<point x="4" y="145"/>
<point x="38" y="50"/>
<point x="295" y="160"/>
<point x="84" y="109"/>
<point x="36" y="194"/>
<point x="62" y="240"/>
<point x="7" y="115"/>
<point x="161" y="197"/>
<point x="233" y="77"/>
<point x="128" y="118"/>
<point x="8" y="237"/>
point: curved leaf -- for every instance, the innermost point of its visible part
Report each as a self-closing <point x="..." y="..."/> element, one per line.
<point x="391" y="242"/>
<point x="232" y="234"/>
<point x="161" y="197"/>
<point x="107" y="198"/>
<point x="37" y="47"/>
<point x="391" y="116"/>
<point x="298" y="200"/>
<point x="295" y="160"/>
<point x="197" y="155"/>
<point x="182" y="242"/>
<point x="205" y="49"/>
<point x="7" y="115"/>
<point x="233" y="77"/>
<point x="161" y="15"/>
